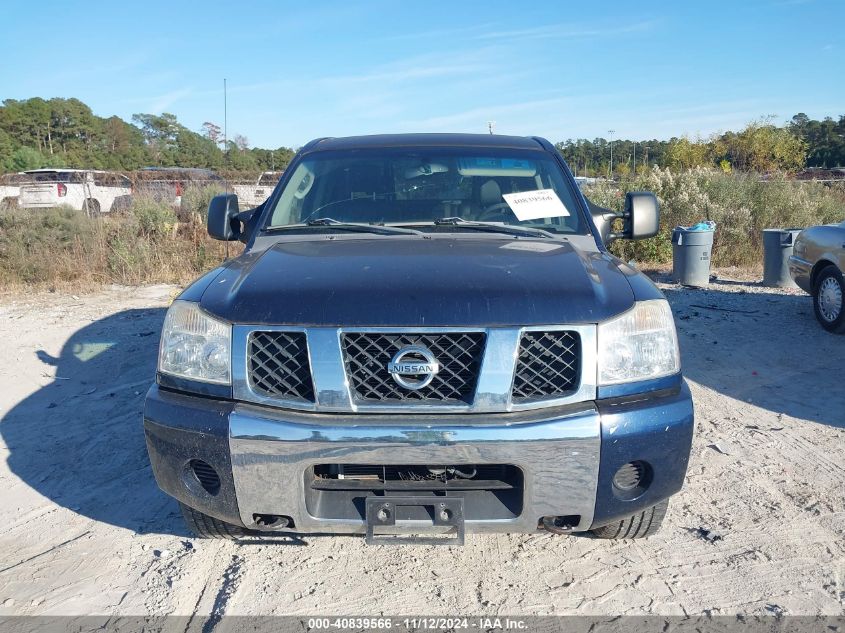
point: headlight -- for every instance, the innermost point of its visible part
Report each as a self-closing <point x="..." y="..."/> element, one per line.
<point x="195" y="345"/>
<point x="638" y="345"/>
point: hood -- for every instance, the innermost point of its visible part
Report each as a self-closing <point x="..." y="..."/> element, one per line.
<point x="412" y="282"/>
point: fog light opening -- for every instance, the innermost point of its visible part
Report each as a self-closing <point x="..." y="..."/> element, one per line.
<point x="205" y="475"/>
<point x="632" y="479"/>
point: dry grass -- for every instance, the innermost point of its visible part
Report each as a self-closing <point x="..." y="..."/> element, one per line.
<point x="63" y="249"/>
<point x="742" y="206"/>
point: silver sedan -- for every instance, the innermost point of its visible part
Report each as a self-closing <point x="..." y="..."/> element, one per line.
<point x="816" y="265"/>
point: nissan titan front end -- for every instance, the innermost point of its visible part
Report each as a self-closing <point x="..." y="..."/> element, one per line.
<point x="424" y="336"/>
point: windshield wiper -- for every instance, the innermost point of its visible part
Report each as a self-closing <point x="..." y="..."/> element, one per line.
<point x="492" y="227"/>
<point x="348" y="226"/>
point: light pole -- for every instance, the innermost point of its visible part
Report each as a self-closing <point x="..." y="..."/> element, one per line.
<point x="635" y="158"/>
<point x="610" y="174"/>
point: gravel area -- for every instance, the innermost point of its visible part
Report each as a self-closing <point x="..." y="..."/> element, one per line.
<point x="758" y="529"/>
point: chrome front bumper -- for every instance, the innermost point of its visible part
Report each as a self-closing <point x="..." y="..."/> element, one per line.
<point x="559" y="458"/>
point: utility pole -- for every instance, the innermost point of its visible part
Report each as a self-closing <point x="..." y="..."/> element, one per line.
<point x="635" y="158"/>
<point x="646" y="157"/>
<point x="610" y="173"/>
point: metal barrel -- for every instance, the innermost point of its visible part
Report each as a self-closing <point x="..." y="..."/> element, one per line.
<point x="691" y="256"/>
<point x="777" y="247"/>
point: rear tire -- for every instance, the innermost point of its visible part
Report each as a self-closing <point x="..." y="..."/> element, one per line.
<point x="205" y="526"/>
<point x="640" y="525"/>
<point x="92" y="206"/>
<point x="829" y="300"/>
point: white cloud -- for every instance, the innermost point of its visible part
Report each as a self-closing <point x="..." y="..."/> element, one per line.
<point x="163" y="102"/>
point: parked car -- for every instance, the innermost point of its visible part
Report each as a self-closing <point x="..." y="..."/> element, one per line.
<point x="426" y="334"/>
<point x="166" y="184"/>
<point x="253" y="194"/>
<point x="10" y="189"/>
<point x="91" y="191"/>
<point x="816" y="265"/>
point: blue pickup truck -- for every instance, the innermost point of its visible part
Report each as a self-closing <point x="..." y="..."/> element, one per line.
<point x="424" y="336"/>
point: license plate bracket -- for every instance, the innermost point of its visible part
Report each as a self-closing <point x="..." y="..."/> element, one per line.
<point x="443" y="511"/>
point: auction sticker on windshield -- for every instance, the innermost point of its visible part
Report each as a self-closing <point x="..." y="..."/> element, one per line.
<point x="533" y="205"/>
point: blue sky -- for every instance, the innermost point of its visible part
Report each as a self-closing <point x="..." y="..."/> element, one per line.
<point x="299" y="70"/>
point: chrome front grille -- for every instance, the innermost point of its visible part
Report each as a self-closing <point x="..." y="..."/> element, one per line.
<point x="548" y="365"/>
<point x="345" y="370"/>
<point x="366" y="355"/>
<point x="278" y="365"/>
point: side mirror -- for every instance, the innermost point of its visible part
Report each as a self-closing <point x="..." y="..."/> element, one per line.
<point x="223" y="221"/>
<point x="641" y="216"/>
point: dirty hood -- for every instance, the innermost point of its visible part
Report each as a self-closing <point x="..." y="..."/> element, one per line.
<point x="399" y="281"/>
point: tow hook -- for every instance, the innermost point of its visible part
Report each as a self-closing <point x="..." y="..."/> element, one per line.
<point x="561" y="524"/>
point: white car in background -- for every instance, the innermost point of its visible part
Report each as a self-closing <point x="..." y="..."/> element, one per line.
<point x="253" y="194"/>
<point x="10" y="189"/>
<point x="86" y="190"/>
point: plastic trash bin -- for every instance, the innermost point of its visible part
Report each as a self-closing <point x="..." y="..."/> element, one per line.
<point x="777" y="247"/>
<point x="691" y="249"/>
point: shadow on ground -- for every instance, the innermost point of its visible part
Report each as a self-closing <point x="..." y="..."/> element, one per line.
<point x="79" y="441"/>
<point x="762" y="347"/>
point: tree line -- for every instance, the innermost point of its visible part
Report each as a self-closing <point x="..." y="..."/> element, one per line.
<point x="66" y="133"/>
<point x="761" y="146"/>
<point x="58" y="132"/>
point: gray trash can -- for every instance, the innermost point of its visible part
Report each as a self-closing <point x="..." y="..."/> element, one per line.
<point x="777" y="247"/>
<point x="691" y="256"/>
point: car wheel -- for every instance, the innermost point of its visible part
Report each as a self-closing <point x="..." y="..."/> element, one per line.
<point x="829" y="300"/>
<point x="205" y="526"/>
<point x="640" y="525"/>
<point x="92" y="206"/>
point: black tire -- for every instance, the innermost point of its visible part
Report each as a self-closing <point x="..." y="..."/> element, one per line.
<point x="640" y="525"/>
<point x="825" y="291"/>
<point x="205" y="526"/>
<point x="92" y="206"/>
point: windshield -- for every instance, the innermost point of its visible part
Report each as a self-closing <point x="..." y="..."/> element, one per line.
<point x="428" y="185"/>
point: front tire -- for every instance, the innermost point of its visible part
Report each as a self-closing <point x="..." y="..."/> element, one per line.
<point x="205" y="526"/>
<point x="641" y="525"/>
<point x="829" y="300"/>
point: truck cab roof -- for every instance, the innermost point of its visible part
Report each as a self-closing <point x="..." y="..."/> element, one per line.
<point x="426" y="140"/>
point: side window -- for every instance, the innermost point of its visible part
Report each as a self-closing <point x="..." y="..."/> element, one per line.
<point x="107" y="179"/>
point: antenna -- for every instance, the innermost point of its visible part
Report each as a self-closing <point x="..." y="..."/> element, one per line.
<point x="225" y="143"/>
<point x="491" y="125"/>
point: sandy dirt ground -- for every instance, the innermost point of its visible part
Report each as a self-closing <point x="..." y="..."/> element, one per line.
<point x="759" y="527"/>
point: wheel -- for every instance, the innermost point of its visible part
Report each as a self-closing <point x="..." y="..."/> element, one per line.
<point x="640" y="525"/>
<point x="92" y="206"/>
<point x="829" y="300"/>
<point x="205" y="526"/>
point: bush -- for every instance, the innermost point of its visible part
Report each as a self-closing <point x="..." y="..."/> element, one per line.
<point x="195" y="200"/>
<point x="742" y="205"/>
<point x="66" y="248"/>
<point x="155" y="218"/>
